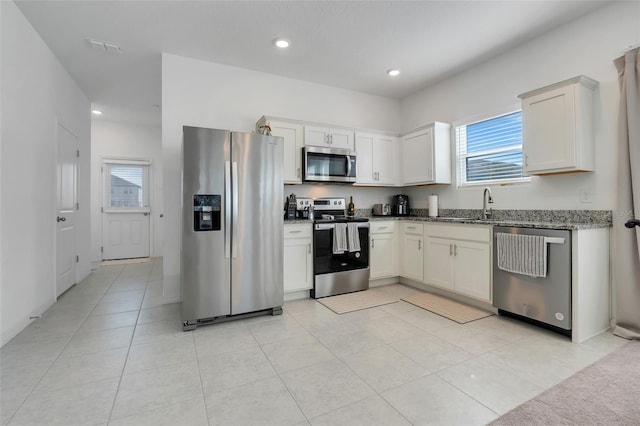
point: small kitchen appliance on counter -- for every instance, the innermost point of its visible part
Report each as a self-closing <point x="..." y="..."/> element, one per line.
<point x="401" y="205"/>
<point x="381" y="210"/>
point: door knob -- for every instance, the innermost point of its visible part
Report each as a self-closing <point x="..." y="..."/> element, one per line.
<point x="632" y="223"/>
<point x="61" y="219"/>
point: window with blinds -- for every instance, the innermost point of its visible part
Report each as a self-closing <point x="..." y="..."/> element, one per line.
<point x="490" y="151"/>
<point x="126" y="185"/>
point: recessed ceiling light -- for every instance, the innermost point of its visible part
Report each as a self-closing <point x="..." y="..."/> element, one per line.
<point x="393" y="72"/>
<point x="96" y="112"/>
<point x="281" y="43"/>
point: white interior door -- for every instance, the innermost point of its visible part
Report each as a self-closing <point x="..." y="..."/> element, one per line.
<point x="66" y="188"/>
<point x="125" y="209"/>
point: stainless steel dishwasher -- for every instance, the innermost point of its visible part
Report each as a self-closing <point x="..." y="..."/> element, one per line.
<point x="546" y="300"/>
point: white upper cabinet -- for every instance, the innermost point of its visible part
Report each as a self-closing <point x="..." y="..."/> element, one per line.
<point x="426" y="155"/>
<point x="293" y="135"/>
<point x="328" y="137"/>
<point x="557" y="127"/>
<point x="376" y="159"/>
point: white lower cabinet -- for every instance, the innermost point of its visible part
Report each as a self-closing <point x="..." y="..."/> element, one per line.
<point x="383" y="250"/>
<point x="458" y="258"/>
<point x="412" y="242"/>
<point x="298" y="257"/>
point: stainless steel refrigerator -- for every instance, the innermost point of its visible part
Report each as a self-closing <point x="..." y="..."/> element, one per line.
<point x="232" y="226"/>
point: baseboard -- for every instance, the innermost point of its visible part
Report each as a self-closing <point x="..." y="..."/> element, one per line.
<point x="383" y="281"/>
<point x="454" y="296"/>
<point x="296" y="295"/>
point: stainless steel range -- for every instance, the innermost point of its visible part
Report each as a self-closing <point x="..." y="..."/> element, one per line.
<point x="341" y="249"/>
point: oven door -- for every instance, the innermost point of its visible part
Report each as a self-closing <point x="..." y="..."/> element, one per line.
<point x="326" y="262"/>
<point x="329" y="164"/>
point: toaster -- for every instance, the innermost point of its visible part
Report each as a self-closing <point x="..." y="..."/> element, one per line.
<point x="381" y="210"/>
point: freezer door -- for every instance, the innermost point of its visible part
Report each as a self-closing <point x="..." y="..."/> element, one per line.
<point x="206" y="210"/>
<point x="258" y="192"/>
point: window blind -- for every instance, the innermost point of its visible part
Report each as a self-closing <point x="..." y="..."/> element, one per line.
<point x="126" y="185"/>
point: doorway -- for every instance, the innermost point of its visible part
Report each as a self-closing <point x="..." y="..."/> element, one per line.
<point x="125" y="209"/>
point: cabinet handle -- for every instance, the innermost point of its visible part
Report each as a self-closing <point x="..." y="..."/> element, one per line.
<point x="450" y="249"/>
<point x="373" y="243"/>
<point x="455" y="249"/>
<point x="383" y="227"/>
<point x="298" y="172"/>
<point x="309" y="248"/>
<point x="295" y="232"/>
<point x="526" y="159"/>
<point x="331" y="136"/>
<point x="419" y="245"/>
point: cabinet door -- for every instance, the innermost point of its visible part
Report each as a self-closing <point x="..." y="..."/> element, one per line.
<point x="548" y="130"/>
<point x="292" y="135"/>
<point x="364" y="159"/>
<point x="382" y="256"/>
<point x="412" y="257"/>
<point x="472" y="270"/>
<point x="417" y="157"/>
<point x="439" y="262"/>
<point x="316" y="136"/>
<point x="340" y="138"/>
<point x="298" y="264"/>
<point x="383" y="160"/>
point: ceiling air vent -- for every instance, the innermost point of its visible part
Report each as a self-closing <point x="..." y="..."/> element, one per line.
<point x="104" y="46"/>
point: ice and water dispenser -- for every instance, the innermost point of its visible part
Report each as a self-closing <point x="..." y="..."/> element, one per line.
<point x="206" y="212"/>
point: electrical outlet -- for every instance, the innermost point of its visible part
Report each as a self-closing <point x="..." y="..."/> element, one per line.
<point x="586" y="196"/>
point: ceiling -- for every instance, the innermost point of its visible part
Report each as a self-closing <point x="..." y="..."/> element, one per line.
<point x="348" y="44"/>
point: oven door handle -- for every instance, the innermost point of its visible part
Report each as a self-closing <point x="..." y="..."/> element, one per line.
<point x="328" y="226"/>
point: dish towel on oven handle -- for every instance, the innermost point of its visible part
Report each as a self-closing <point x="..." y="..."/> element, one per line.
<point x="522" y="254"/>
<point x="340" y="238"/>
<point x="353" y="238"/>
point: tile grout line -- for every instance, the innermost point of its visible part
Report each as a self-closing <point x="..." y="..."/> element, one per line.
<point x="133" y="333"/>
<point x="63" y="348"/>
<point x="204" y="400"/>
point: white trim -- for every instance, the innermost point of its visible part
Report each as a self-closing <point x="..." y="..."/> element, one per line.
<point x="126" y="161"/>
<point x="126" y="210"/>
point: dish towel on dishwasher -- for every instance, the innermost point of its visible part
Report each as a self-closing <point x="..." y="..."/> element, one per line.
<point x="522" y="254"/>
<point x="340" y="238"/>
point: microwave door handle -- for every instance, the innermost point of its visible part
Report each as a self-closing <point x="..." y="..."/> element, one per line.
<point x="348" y="165"/>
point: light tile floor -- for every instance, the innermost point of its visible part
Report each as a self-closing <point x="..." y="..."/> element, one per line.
<point x="109" y="352"/>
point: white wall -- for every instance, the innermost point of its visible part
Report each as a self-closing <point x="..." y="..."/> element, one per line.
<point x="205" y="94"/>
<point x="36" y="93"/>
<point x="132" y="142"/>
<point x="586" y="46"/>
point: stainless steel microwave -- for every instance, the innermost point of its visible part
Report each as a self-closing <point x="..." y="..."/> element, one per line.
<point x="328" y="164"/>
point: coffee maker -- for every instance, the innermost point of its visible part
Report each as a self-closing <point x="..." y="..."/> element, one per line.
<point x="400" y="205"/>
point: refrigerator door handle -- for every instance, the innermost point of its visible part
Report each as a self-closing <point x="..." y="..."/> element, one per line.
<point x="227" y="209"/>
<point x="234" y="230"/>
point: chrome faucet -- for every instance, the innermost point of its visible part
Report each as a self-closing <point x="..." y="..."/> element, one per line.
<point x="486" y="212"/>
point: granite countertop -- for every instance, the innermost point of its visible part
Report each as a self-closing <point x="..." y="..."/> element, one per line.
<point x="545" y="219"/>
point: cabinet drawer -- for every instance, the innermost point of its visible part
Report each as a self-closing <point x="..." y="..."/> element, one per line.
<point x="382" y="227"/>
<point x="460" y="232"/>
<point x="413" y="228"/>
<point x="302" y="230"/>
